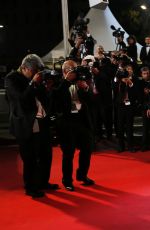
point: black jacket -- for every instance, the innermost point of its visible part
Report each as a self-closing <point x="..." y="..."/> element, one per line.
<point x="145" y="58"/>
<point x="132" y="52"/>
<point x="120" y="89"/>
<point x="144" y="99"/>
<point x="63" y="103"/>
<point x="22" y="103"/>
<point x="103" y="84"/>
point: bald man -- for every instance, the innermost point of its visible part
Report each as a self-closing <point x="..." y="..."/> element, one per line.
<point x="75" y="126"/>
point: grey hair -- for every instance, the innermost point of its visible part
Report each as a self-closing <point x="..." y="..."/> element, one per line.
<point x="32" y="61"/>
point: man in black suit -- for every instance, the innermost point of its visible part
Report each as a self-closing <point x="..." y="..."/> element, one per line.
<point x="103" y="82"/>
<point x="126" y="93"/>
<point x="144" y="93"/>
<point x="29" y="123"/>
<point x="120" y="43"/>
<point x="74" y="124"/>
<point x="145" y="52"/>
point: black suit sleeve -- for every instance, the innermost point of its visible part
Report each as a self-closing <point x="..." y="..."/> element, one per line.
<point x="14" y="89"/>
<point x="143" y="54"/>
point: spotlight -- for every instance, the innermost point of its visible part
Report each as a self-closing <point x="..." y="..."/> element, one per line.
<point x="143" y="7"/>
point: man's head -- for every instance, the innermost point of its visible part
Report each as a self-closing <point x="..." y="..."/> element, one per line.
<point x="30" y="65"/>
<point x="147" y="40"/>
<point x="131" y="40"/>
<point x="145" y="73"/>
<point x="99" y="49"/>
<point x="129" y="69"/>
<point x="68" y="69"/>
<point x="120" y="39"/>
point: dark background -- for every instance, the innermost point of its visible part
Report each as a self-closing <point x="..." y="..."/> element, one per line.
<point x="32" y="26"/>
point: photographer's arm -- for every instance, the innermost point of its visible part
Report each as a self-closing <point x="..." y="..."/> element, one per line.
<point x="127" y="81"/>
<point x="74" y="51"/>
<point x="15" y="91"/>
<point x="142" y="54"/>
<point x="84" y="92"/>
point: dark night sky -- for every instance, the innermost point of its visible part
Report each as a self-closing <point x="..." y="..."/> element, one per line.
<point x="31" y="25"/>
<point x="37" y="26"/>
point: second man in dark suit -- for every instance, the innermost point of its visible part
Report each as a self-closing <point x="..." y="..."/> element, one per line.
<point x="75" y="127"/>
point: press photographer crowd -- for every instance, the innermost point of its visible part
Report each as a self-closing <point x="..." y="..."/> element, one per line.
<point x="95" y="95"/>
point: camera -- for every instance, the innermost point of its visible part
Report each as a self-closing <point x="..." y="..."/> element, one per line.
<point x="48" y="75"/>
<point x="80" y="30"/>
<point x="80" y="27"/>
<point x="117" y="32"/>
<point x="107" y="54"/>
<point x="121" y="73"/>
<point x="83" y="73"/>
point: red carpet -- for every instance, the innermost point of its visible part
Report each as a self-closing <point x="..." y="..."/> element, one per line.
<point x="120" y="200"/>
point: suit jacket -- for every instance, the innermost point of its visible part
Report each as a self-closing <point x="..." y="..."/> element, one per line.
<point x="121" y="89"/>
<point x="103" y="84"/>
<point x="145" y="58"/>
<point x="64" y="105"/>
<point x="144" y="99"/>
<point x="132" y="52"/>
<point x="22" y="104"/>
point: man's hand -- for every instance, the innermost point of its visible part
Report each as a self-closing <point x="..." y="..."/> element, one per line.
<point x="82" y="85"/>
<point x="127" y="81"/>
<point x="37" y="78"/>
<point x="146" y="91"/>
<point x="95" y="70"/>
<point x="70" y="76"/>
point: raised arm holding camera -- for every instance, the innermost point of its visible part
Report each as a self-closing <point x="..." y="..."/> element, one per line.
<point x="81" y="39"/>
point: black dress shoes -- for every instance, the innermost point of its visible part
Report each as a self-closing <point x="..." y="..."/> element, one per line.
<point x="69" y="186"/>
<point x="49" y="186"/>
<point x="86" y="181"/>
<point x="34" y="193"/>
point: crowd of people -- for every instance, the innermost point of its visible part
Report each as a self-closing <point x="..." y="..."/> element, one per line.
<point x="96" y="89"/>
<point x="120" y="88"/>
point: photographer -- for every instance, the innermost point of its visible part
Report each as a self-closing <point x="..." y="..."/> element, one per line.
<point x="29" y="122"/>
<point x="103" y="82"/>
<point x="125" y="98"/>
<point x="92" y="65"/>
<point x="81" y="40"/>
<point x="132" y="48"/>
<point x="120" y="43"/>
<point x="74" y="124"/>
<point x="75" y="53"/>
<point x="145" y="101"/>
<point x="119" y="36"/>
<point x="145" y="52"/>
<point x="99" y="54"/>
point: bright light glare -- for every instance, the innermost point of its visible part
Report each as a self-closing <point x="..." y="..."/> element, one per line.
<point x="1" y="26"/>
<point x="143" y="7"/>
